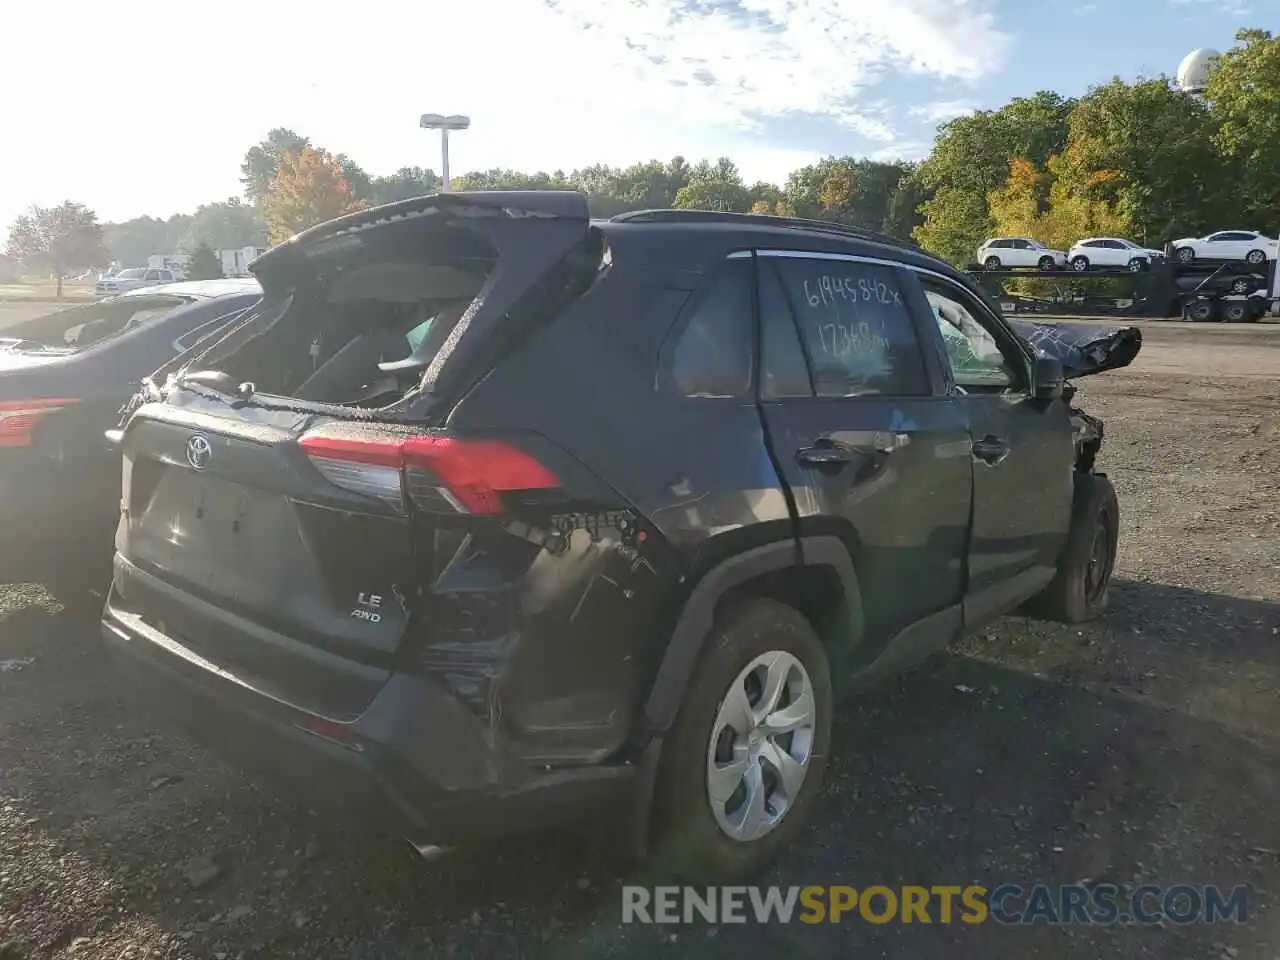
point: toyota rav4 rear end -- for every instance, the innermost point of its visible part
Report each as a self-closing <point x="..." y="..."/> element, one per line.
<point x="328" y="577"/>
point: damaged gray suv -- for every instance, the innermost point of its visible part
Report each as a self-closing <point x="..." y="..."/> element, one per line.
<point x="491" y="516"/>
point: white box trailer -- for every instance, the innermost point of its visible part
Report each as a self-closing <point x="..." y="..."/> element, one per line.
<point x="235" y="263"/>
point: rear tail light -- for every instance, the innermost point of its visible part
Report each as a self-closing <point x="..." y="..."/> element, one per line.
<point x="18" y="419"/>
<point x="467" y="475"/>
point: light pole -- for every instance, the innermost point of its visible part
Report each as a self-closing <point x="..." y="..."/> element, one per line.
<point x="436" y="121"/>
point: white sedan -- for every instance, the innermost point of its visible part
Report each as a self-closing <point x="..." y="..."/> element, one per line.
<point x="1111" y="252"/>
<point x="1246" y="245"/>
<point x="1019" y="252"/>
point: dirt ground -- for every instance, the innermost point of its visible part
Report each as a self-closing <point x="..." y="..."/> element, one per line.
<point x="1141" y="748"/>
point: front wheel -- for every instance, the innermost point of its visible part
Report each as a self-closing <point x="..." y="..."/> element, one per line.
<point x="1080" y="589"/>
<point x="1184" y="254"/>
<point x="1201" y="311"/>
<point x="1137" y="265"/>
<point x="991" y="263"/>
<point x="1080" y="264"/>
<point x="744" y="762"/>
<point x="1256" y="257"/>
<point x="1047" y="263"/>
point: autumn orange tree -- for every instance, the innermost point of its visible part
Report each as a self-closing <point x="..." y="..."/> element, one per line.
<point x="309" y="188"/>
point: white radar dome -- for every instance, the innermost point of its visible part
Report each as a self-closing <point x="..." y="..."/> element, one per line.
<point x="1193" y="72"/>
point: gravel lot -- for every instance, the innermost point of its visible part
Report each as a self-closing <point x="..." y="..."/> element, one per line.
<point x="1142" y="748"/>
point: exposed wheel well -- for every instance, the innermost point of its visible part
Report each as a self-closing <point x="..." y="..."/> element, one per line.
<point x="815" y="590"/>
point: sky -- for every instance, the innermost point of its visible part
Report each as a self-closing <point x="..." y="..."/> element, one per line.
<point x="142" y="108"/>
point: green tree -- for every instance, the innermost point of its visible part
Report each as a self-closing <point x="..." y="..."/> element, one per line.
<point x="970" y="159"/>
<point x="204" y="264"/>
<point x="61" y="240"/>
<point x="1149" y="147"/>
<point x="405" y="183"/>
<point x="225" y="226"/>
<point x="1244" y="92"/>
<point x="715" y="186"/>
<point x="262" y="161"/>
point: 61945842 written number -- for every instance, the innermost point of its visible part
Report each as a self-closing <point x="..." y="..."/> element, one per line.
<point x="827" y="290"/>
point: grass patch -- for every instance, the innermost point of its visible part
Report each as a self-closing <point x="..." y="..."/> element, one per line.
<point x="72" y="290"/>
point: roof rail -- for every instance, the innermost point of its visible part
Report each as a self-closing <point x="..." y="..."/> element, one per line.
<point x="748" y="219"/>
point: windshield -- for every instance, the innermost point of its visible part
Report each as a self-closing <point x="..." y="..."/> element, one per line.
<point x="1035" y="245"/>
<point x="130" y="274"/>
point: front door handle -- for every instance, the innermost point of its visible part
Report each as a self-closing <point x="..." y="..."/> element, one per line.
<point x="824" y="455"/>
<point x="990" y="449"/>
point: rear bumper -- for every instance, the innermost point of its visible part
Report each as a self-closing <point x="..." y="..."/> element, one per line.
<point x="415" y="762"/>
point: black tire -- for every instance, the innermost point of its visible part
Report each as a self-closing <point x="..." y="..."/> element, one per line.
<point x="1080" y="263"/>
<point x="1184" y="254"/>
<point x="1201" y="311"/>
<point x="1046" y="263"/>
<point x="1256" y="257"/>
<point x="1079" y="590"/>
<point x="1236" y="311"/>
<point x="1138" y="264"/>
<point x="1243" y="285"/>
<point x="991" y="263"/>
<point x="688" y="841"/>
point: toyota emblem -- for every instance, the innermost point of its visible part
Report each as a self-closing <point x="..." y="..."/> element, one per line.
<point x="198" y="452"/>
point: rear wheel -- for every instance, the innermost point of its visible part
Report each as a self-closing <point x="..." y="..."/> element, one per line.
<point x="1184" y="254"/>
<point x="744" y="762"/>
<point x="1080" y="264"/>
<point x="1236" y="311"/>
<point x="1079" y="590"/>
<point x="991" y="263"/>
<point x="1256" y="257"/>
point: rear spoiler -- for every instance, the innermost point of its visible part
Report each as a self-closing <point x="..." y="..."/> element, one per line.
<point x="1082" y="348"/>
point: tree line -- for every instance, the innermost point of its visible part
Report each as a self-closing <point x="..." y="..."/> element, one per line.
<point x="1140" y="159"/>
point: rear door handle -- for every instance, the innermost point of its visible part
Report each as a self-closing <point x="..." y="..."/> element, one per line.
<point x="990" y="449"/>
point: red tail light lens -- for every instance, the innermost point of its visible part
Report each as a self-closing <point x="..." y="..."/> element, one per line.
<point x="469" y="475"/>
<point x="18" y="419"/>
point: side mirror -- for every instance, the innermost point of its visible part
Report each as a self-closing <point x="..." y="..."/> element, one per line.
<point x="1046" y="379"/>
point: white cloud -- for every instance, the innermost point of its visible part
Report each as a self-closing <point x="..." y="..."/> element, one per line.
<point x="941" y="110"/>
<point x="130" y="121"/>
<point x="1234" y="8"/>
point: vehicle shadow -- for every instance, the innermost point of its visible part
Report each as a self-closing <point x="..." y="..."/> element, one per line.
<point x="1000" y="762"/>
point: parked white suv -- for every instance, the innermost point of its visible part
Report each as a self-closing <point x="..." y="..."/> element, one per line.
<point x="1247" y="245"/>
<point x="132" y="279"/>
<point x="1111" y="252"/>
<point x="1020" y="252"/>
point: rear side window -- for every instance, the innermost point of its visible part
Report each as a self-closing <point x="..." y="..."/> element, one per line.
<point x="712" y="354"/>
<point x="855" y="327"/>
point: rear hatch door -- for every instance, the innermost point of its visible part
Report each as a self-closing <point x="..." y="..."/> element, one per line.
<point x="297" y="515"/>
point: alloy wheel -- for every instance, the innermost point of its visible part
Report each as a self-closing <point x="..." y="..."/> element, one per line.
<point x="760" y="746"/>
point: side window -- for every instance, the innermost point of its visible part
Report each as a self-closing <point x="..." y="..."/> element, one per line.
<point x="713" y="355"/>
<point x="784" y="371"/>
<point x="1021" y="245"/>
<point x="977" y="363"/>
<point x="855" y="327"/>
